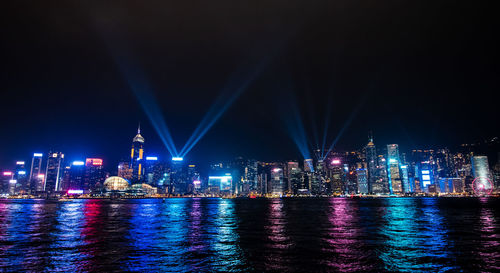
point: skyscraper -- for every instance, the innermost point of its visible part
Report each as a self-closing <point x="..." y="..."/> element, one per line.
<point x="362" y="178"/>
<point x="53" y="172"/>
<point x="94" y="174"/>
<point x="277" y="181"/>
<point x="395" y="183"/>
<point x="371" y="158"/>
<point x="36" y="183"/>
<point x="136" y="156"/>
<point x="481" y="170"/>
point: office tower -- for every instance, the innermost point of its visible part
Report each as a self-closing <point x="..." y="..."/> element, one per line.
<point x="295" y="178"/>
<point x="371" y="159"/>
<point x="350" y="179"/>
<point x="75" y="176"/>
<point x="336" y="177"/>
<point x="381" y="185"/>
<point x="220" y="183"/>
<point x="94" y="175"/>
<point x="36" y="177"/>
<point x="7" y="176"/>
<point x="291" y="167"/>
<point x="21" y="177"/>
<point x="308" y="165"/>
<point x="250" y="179"/>
<point x="277" y="182"/>
<point x="481" y="171"/>
<point x="405" y="181"/>
<point x="153" y="171"/>
<point x="362" y="179"/>
<point x="425" y="174"/>
<point x="393" y="173"/>
<point x="136" y="156"/>
<point x="53" y="172"/>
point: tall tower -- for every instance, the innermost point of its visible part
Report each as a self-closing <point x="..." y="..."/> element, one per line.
<point x="371" y="158"/>
<point x="136" y="156"/>
<point x="53" y="172"/>
<point x="395" y="183"/>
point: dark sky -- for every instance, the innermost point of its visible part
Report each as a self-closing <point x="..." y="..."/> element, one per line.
<point x="423" y="74"/>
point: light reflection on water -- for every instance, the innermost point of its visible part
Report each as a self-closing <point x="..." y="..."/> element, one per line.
<point x="193" y="235"/>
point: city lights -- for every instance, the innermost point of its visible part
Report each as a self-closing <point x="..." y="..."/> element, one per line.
<point x="78" y="163"/>
<point x="175" y="158"/>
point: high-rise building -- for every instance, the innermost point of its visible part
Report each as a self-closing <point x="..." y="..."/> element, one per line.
<point x="336" y="177"/>
<point x="362" y="179"/>
<point x="277" y="182"/>
<point x="76" y="175"/>
<point x="481" y="171"/>
<point x="425" y="174"/>
<point x="308" y="165"/>
<point x="94" y="175"/>
<point x="21" y="176"/>
<point x="53" y="172"/>
<point x="291" y="167"/>
<point x="405" y="181"/>
<point x="381" y="185"/>
<point x="136" y="156"/>
<point x="36" y="177"/>
<point x="395" y="183"/>
<point x="371" y="159"/>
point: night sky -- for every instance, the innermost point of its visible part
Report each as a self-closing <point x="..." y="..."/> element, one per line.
<point x="421" y="73"/>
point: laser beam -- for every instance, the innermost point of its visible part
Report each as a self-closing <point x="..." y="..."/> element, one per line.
<point x="346" y="125"/>
<point x="233" y="89"/>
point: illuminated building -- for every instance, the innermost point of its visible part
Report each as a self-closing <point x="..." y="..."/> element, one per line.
<point x="481" y="170"/>
<point x="53" y="172"/>
<point x="381" y="185"/>
<point x="362" y="179"/>
<point x="36" y="184"/>
<point x="308" y="165"/>
<point x="425" y="174"/>
<point x="136" y="156"/>
<point x="291" y="184"/>
<point x="94" y="174"/>
<point x="21" y="177"/>
<point x="405" y="181"/>
<point x="336" y="177"/>
<point x="350" y="179"/>
<point x="76" y="176"/>
<point x="451" y="185"/>
<point x="154" y="171"/>
<point x="220" y="184"/>
<point x="393" y="173"/>
<point x="277" y="182"/>
<point x="371" y="159"/>
<point x="7" y="176"/>
<point x="142" y="189"/>
<point x="115" y="183"/>
<point x="124" y="170"/>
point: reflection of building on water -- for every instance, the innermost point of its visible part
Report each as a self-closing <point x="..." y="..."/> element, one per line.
<point x="115" y="185"/>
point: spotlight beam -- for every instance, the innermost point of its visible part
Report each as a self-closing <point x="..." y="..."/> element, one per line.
<point x="346" y="125"/>
<point x="326" y="125"/>
<point x="218" y="108"/>
<point x="139" y="84"/>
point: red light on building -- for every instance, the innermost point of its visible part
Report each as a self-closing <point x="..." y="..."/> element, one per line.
<point x="93" y="162"/>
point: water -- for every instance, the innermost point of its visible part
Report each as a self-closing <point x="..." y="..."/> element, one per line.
<point x="301" y="235"/>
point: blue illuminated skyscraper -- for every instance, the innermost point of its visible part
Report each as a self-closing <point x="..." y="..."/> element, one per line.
<point x="393" y="172"/>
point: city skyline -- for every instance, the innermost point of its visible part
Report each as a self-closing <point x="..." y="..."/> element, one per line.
<point x="386" y="170"/>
